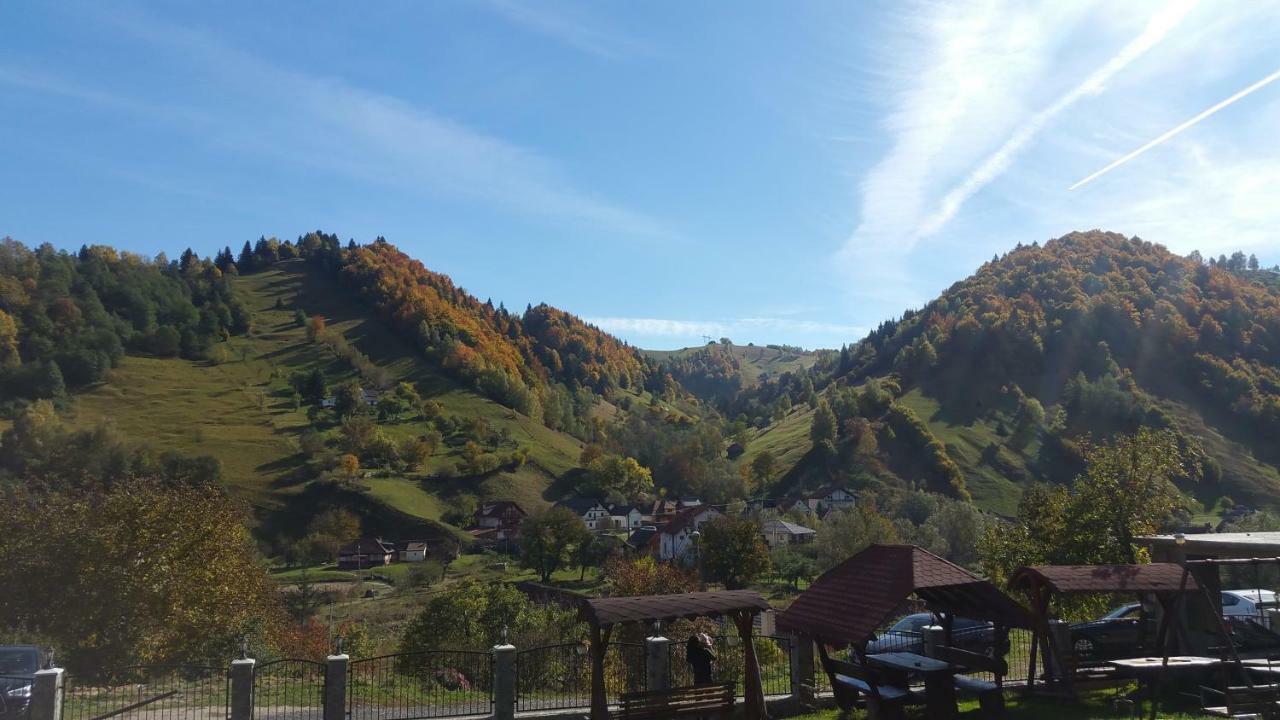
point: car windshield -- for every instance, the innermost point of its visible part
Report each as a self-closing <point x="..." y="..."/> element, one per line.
<point x="17" y="662"/>
<point x="1124" y="611"/>
<point x="912" y="624"/>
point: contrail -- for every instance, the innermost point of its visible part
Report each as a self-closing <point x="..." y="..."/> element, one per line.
<point x="1245" y="92"/>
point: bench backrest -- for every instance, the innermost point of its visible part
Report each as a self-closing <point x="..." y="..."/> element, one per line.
<point x="1244" y="699"/>
<point x="677" y="701"/>
<point x="866" y="674"/>
<point x="972" y="661"/>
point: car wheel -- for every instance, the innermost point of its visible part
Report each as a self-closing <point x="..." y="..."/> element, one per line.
<point x="1083" y="647"/>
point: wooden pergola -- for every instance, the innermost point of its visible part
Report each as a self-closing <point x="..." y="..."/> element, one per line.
<point x="740" y="605"/>
<point x="1168" y="582"/>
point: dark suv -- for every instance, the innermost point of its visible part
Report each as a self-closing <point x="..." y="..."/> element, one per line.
<point x="18" y="666"/>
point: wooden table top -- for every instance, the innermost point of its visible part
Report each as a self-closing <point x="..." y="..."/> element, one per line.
<point x="910" y="662"/>
<point x="1176" y="662"/>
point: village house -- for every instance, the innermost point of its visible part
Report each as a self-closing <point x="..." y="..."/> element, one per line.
<point x="778" y="533"/>
<point x="365" y="553"/>
<point x="625" y="517"/>
<point x="593" y="512"/>
<point x="675" y="539"/>
<point x="504" y="516"/>
<point x="412" y="551"/>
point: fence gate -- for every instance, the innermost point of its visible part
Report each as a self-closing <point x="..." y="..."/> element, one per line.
<point x="556" y="677"/>
<point x="408" y="686"/>
<point x="149" y="692"/>
<point x="288" y="689"/>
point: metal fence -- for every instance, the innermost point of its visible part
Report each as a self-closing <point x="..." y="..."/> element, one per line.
<point x="555" y="677"/>
<point x="149" y="692"/>
<point x="408" y="686"/>
<point x="288" y="689"/>
<point x="773" y="652"/>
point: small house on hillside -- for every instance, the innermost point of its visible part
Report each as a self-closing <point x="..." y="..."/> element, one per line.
<point x="502" y="514"/>
<point x="593" y="512"/>
<point x="625" y="517"/>
<point x="831" y="497"/>
<point x="675" y="539"/>
<point x="778" y="533"/>
<point x="365" y="553"/>
<point x="412" y="551"/>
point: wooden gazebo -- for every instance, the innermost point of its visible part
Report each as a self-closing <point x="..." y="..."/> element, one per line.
<point x="848" y="603"/>
<point x="1169" y="583"/>
<point x="740" y="605"/>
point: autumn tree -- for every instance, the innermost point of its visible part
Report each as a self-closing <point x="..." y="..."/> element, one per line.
<point x="617" y="476"/>
<point x="550" y="539"/>
<point x="763" y="468"/>
<point x="315" y="327"/>
<point x="629" y="577"/>
<point x="200" y="587"/>
<point x="733" y="552"/>
<point x="845" y="534"/>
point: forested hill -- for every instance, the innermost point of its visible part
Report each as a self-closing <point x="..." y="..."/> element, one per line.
<point x="720" y="371"/>
<point x="1015" y="368"/>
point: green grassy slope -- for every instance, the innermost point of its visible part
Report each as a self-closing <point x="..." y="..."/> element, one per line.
<point x="240" y="410"/>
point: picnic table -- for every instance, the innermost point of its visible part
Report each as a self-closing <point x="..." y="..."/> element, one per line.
<point x="1148" y="671"/>
<point x="939" y="685"/>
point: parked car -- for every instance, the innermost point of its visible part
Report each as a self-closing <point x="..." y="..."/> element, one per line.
<point x="907" y="635"/>
<point x="1117" y="634"/>
<point x="18" y="666"/>
<point x="1250" y="636"/>
<point x="1252" y="604"/>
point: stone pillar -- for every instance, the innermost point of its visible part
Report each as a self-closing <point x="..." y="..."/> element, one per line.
<point x="242" y="689"/>
<point x="657" y="663"/>
<point x="335" y="687"/>
<point x="768" y="626"/>
<point x="504" y="682"/>
<point x="935" y="636"/>
<point x="46" y="694"/>
<point x="801" y="665"/>
<point x="1059" y="660"/>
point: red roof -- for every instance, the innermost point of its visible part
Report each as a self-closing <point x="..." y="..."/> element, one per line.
<point x="1155" y="577"/>
<point x="853" y="599"/>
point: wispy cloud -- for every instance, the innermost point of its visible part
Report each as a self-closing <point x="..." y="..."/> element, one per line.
<point x="1161" y="24"/>
<point x="1179" y="129"/>
<point x="570" y="30"/>
<point x="262" y="108"/>
<point x="825" y="334"/>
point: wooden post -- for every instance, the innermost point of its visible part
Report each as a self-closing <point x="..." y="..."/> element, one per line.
<point x="753" y="689"/>
<point x="599" y="644"/>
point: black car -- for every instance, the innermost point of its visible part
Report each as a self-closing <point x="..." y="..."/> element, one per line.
<point x="907" y="635"/>
<point x="1118" y="634"/>
<point x="18" y="666"/>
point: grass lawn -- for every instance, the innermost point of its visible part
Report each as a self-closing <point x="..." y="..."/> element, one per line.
<point x="239" y="410"/>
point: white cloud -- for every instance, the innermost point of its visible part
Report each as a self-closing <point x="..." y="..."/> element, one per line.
<point x="570" y="30"/>
<point x="816" y="333"/>
<point x="327" y="123"/>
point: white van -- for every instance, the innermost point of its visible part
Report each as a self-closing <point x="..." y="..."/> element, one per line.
<point x="1256" y="604"/>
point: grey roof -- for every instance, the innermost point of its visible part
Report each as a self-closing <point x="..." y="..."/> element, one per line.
<point x="782" y="526"/>
<point x="614" y="610"/>
<point x="580" y="505"/>
<point x="641" y="537"/>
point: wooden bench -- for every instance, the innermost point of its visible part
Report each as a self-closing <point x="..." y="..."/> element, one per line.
<point x="1242" y="701"/>
<point x="686" y="701"/>
<point x="884" y="698"/>
<point x="990" y="694"/>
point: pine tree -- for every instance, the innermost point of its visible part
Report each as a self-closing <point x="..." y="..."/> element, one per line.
<point x="245" y="261"/>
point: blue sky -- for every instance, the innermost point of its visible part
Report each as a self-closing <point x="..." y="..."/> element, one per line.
<point x="773" y="172"/>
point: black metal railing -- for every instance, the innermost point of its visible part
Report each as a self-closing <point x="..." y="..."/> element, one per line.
<point x="431" y="684"/>
<point x="556" y="677"/>
<point x="772" y="652"/>
<point x="288" y="689"/>
<point x="148" y="692"/>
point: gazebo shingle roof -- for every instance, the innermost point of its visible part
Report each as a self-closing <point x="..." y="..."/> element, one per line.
<point x="1155" y="577"/>
<point x="850" y="601"/>
<point x="611" y="611"/>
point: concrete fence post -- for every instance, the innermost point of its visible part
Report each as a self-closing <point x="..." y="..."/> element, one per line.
<point x="242" y="688"/>
<point x="657" y="663"/>
<point x="934" y="637"/>
<point x="504" y="682"/>
<point x="46" y="694"/>
<point x="801" y="665"/>
<point x="335" y="687"/>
